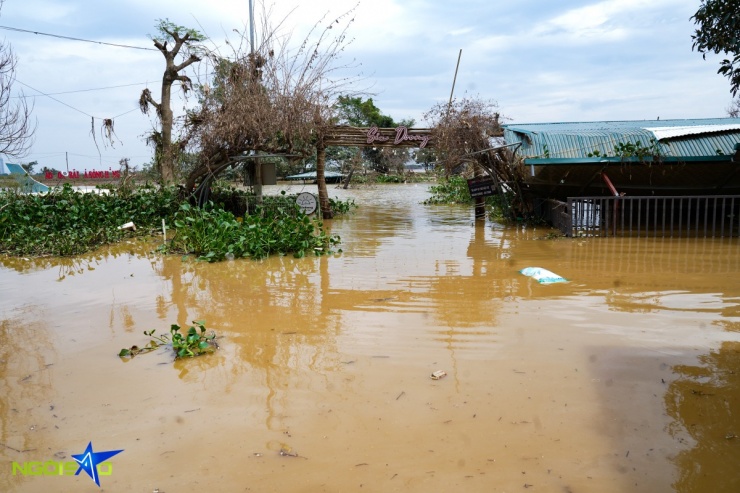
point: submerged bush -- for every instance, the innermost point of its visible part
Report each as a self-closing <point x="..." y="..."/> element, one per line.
<point x="242" y="202"/>
<point x="453" y="190"/>
<point x="65" y="222"/>
<point x="341" y="207"/>
<point x="213" y="234"/>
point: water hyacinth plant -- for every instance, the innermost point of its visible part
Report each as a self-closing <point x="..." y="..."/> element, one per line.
<point x="193" y="343"/>
<point x="65" y="222"/>
<point x="212" y="234"/>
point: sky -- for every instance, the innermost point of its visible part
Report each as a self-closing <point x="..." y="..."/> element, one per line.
<point x="539" y="61"/>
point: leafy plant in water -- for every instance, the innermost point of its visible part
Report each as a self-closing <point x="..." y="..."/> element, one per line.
<point x="454" y="190"/>
<point x="341" y="207"/>
<point x="64" y="222"/>
<point x="193" y="343"/>
<point x="383" y="178"/>
<point x="213" y="234"/>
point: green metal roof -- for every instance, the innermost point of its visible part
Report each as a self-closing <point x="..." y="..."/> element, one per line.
<point x="559" y="143"/>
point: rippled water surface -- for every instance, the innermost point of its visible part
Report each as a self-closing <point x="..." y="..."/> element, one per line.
<point x="627" y="378"/>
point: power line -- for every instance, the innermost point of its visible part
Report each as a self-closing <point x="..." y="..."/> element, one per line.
<point x="87" y="90"/>
<point x="55" y="99"/>
<point x="72" y="107"/>
<point x="7" y="28"/>
<point x="127" y="112"/>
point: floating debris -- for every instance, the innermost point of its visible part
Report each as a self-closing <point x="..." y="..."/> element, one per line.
<point x="542" y="276"/>
<point x="438" y="374"/>
<point x="286" y="451"/>
<point x="128" y="225"/>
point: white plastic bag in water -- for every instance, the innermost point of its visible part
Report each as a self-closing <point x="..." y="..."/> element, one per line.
<point x="542" y="276"/>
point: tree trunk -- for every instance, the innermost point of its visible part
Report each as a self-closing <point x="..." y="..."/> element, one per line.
<point x="326" y="212"/>
<point x="167" y="157"/>
<point x="165" y="151"/>
<point x="349" y="178"/>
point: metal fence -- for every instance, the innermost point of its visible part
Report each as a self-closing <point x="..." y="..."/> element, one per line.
<point x="668" y="217"/>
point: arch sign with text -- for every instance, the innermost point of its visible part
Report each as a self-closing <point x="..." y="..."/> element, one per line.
<point x="379" y="137"/>
<point x="76" y="175"/>
<point x="400" y="136"/>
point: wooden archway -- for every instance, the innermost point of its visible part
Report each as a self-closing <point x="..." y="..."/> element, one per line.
<point x="343" y="135"/>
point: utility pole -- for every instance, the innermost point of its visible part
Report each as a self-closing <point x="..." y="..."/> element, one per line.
<point x="251" y="26"/>
<point x="257" y="184"/>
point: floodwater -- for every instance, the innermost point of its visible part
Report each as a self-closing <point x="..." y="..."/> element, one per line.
<point x="625" y="379"/>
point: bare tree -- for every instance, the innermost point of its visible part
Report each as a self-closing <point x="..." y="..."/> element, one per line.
<point x="467" y="133"/>
<point x="16" y="127"/>
<point x="463" y="128"/>
<point x="274" y="99"/>
<point x="165" y="151"/>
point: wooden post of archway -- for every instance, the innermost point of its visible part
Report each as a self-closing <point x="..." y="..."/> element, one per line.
<point x="326" y="212"/>
<point x="480" y="202"/>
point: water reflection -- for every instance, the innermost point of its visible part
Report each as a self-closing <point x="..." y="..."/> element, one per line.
<point x="78" y="265"/>
<point x="270" y="316"/>
<point x="704" y="402"/>
<point x="26" y="385"/>
<point x="344" y="345"/>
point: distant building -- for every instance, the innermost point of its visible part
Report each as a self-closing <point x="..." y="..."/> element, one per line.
<point x="413" y="167"/>
<point x="658" y="178"/>
<point x="648" y="157"/>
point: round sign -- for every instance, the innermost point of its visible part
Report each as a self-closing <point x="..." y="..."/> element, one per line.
<point x="307" y="202"/>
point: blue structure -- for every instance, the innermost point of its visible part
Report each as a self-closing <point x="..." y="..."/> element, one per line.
<point x="329" y="176"/>
<point x="28" y="184"/>
<point x="644" y="157"/>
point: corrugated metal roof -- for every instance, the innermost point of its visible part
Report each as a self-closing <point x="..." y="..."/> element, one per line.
<point x="682" y="131"/>
<point x="675" y="138"/>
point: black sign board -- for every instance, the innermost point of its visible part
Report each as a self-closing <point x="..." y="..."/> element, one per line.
<point x="481" y="187"/>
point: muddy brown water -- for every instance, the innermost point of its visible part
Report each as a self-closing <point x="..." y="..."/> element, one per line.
<point x="625" y="379"/>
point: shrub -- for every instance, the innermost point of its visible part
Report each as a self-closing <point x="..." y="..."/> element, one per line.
<point x="453" y="190"/>
<point x="65" y="222"/>
<point x="213" y="234"/>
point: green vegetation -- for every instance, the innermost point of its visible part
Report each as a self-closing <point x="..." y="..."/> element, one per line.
<point x="357" y="112"/>
<point x="342" y="207"/>
<point x="629" y="150"/>
<point x="453" y="190"/>
<point x="213" y="234"/>
<point x="718" y="32"/>
<point x="390" y="178"/>
<point x="65" y="222"/>
<point x="194" y="343"/>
